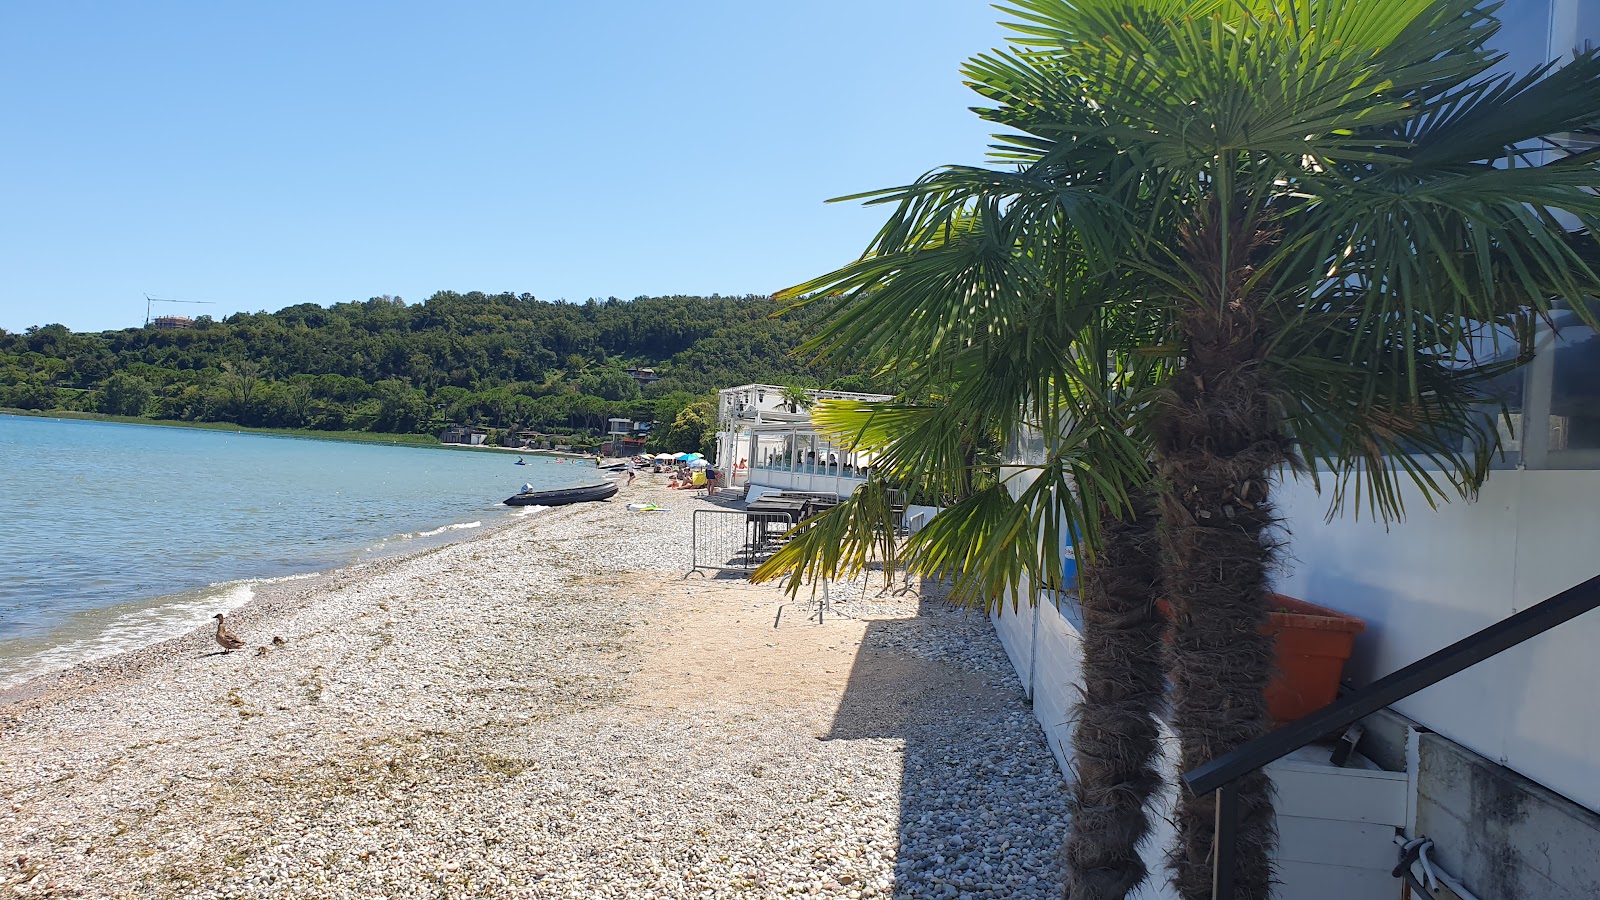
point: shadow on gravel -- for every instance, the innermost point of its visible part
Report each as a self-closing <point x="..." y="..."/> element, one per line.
<point x="982" y="811"/>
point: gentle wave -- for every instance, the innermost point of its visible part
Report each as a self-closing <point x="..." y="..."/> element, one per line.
<point x="384" y="544"/>
<point x="130" y="628"/>
<point x="443" y="528"/>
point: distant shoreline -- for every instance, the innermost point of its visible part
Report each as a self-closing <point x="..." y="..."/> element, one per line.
<point x="363" y="437"/>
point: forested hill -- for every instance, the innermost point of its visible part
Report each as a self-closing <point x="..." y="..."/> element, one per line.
<point x="500" y="360"/>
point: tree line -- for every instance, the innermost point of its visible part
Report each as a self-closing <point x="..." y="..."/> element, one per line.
<point x="501" y="361"/>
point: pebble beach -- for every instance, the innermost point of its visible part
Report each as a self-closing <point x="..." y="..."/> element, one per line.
<point x="551" y="709"/>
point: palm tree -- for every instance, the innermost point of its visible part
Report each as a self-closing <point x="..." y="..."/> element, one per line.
<point x="1231" y="236"/>
<point x="795" y="398"/>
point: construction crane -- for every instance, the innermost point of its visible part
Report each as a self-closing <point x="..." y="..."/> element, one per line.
<point x="149" y="300"/>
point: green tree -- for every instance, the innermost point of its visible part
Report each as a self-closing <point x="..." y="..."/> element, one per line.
<point x="125" y="395"/>
<point x="32" y="396"/>
<point x="1231" y="237"/>
<point x="610" y="384"/>
<point x="297" y="398"/>
<point x="401" y="409"/>
<point x="693" y="430"/>
<point x="241" y="378"/>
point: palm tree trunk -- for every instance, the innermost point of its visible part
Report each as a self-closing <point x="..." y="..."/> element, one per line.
<point x="1115" y="738"/>
<point x="1218" y="445"/>
<point x="1218" y="543"/>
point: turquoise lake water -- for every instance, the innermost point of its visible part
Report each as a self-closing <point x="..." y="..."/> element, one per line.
<point x="118" y="536"/>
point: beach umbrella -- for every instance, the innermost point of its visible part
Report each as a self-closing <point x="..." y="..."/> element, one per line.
<point x="698" y="464"/>
<point x="697" y="456"/>
<point x="664" y="456"/>
<point x="684" y="457"/>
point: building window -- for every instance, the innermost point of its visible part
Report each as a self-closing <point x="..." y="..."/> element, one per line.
<point x="1504" y="398"/>
<point x="1563" y="396"/>
<point x="1574" y="418"/>
<point x="1501" y="410"/>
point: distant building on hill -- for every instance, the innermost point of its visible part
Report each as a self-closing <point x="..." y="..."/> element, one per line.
<point x="170" y="322"/>
<point x="644" y="376"/>
<point x="626" y="437"/>
<point x="464" y="434"/>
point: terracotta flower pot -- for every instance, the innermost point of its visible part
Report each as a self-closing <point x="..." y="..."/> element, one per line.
<point x="1312" y="645"/>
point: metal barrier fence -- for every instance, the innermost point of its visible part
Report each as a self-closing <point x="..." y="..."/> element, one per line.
<point x="733" y="540"/>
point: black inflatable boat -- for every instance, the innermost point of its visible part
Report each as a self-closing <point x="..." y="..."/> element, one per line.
<point x="565" y="496"/>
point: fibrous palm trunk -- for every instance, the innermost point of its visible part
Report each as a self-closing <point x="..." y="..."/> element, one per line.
<point x="1115" y="738"/>
<point x="1218" y="444"/>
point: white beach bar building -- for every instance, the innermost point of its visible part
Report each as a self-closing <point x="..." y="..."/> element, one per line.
<point x="1500" y="764"/>
<point x="769" y="443"/>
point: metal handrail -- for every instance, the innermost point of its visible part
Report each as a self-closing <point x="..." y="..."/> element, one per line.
<point x="1220" y="774"/>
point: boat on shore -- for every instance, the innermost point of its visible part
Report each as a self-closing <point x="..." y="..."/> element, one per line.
<point x="564" y="496"/>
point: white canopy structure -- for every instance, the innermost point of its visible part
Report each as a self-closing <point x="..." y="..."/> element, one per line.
<point x="763" y="440"/>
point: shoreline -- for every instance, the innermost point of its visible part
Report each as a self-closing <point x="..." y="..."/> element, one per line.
<point x="269" y="596"/>
<point x="355" y="437"/>
<point x="272" y="598"/>
<point x="265" y="590"/>
<point x="358" y="437"/>
<point x="133" y="593"/>
<point x="553" y="709"/>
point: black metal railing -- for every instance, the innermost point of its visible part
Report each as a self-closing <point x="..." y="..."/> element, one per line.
<point x="1221" y="774"/>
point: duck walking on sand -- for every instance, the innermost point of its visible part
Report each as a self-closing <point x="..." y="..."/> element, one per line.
<point x="226" y="638"/>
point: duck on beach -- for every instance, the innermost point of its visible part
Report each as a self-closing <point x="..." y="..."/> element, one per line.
<point x="227" y="639"/>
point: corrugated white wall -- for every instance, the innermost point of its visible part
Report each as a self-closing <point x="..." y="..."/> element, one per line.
<point x="1421" y="585"/>
<point x="1442" y="575"/>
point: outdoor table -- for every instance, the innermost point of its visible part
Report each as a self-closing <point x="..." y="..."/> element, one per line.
<point x="792" y="509"/>
<point x="812" y="502"/>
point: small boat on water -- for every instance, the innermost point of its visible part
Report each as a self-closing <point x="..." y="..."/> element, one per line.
<point x="564" y="496"/>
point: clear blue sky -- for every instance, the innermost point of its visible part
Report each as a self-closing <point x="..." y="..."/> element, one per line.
<point x="260" y="155"/>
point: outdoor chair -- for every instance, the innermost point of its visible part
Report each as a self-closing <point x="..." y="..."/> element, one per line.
<point x="897" y="510"/>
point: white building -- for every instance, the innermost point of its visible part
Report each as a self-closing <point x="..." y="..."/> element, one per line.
<point x="767" y="441"/>
<point x="1500" y="764"/>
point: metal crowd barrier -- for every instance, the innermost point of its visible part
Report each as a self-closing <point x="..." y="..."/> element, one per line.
<point x="733" y="540"/>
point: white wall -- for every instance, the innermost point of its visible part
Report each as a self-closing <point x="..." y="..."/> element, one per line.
<point x="1442" y="575"/>
<point x="765" y="479"/>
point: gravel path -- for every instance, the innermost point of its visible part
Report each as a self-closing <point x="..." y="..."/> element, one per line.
<point x="549" y="710"/>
